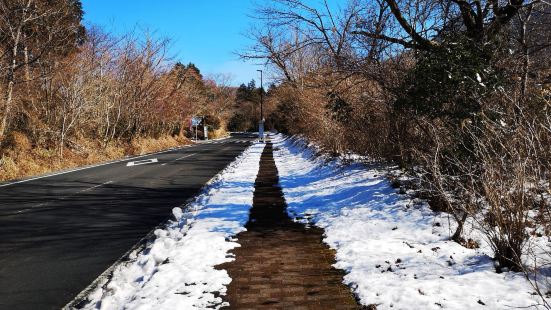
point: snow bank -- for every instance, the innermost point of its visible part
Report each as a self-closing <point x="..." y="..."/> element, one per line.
<point x="394" y="250"/>
<point x="176" y="270"/>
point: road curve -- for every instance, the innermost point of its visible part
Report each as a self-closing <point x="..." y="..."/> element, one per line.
<point x="59" y="233"/>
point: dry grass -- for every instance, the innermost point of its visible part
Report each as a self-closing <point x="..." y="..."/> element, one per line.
<point x="218" y="133"/>
<point x="142" y="146"/>
<point x="20" y="159"/>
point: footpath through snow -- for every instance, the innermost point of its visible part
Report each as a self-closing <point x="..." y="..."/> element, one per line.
<point x="281" y="264"/>
<point x="395" y="250"/>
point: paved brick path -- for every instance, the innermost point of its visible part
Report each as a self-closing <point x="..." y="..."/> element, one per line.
<point x="281" y="264"/>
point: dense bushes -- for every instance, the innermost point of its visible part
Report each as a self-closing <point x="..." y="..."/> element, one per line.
<point x="460" y="98"/>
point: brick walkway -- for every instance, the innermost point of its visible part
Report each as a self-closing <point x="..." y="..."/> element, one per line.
<point x="281" y="264"/>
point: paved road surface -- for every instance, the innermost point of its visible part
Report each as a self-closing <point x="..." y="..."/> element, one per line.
<point x="59" y="233"/>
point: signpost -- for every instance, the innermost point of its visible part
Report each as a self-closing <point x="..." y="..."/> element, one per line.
<point x="261" y="123"/>
<point x="196" y="121"/>
<point x="261" y="130"/>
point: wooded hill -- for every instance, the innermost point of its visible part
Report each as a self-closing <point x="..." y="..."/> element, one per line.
<point x="72" y="95"/>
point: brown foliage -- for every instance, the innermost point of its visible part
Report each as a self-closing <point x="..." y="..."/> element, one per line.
<point x="63" y="89"/>
<point x="457" y="94"/>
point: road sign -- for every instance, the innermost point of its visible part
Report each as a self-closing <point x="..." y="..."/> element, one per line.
<point x="196" y="121"/>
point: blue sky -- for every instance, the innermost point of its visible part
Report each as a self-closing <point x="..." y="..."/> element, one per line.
<point x="207" y="33"/>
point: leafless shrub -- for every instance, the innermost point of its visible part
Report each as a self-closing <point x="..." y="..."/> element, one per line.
<point x="477" y="131"/>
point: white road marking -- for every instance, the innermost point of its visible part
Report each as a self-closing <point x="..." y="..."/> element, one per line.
<point x="92" y="166"/>
<point x="141" y="162"/>
<point x="64" y="197"/>
<point x="177" y="159"/>
<point x="94" y="187"/>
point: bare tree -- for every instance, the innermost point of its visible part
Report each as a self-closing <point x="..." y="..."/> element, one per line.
<point x="30" y="30"/>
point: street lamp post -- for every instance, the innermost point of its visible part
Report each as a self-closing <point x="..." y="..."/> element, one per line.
<point x="261" y="123"/>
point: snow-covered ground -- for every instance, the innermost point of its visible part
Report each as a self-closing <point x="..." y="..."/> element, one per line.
<point x="176" y="270"/>
<point x="394" y="249"/>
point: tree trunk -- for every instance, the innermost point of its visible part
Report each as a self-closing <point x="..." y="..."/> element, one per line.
<point x="525" y="54"/>
<point x="9" y="96"/>
<point x="6" y="110"/>
<point x="11" y="75"/>
<point x="457" y="235"/>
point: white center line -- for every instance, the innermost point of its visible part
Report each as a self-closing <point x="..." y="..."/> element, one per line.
<point x="186" y="156"/>
<point x="64" y="197"/>
<point x="93" y="187"/>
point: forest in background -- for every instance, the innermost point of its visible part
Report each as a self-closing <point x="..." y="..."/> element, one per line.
<point x="457" y="93"/>
<point x="71" y="95"/>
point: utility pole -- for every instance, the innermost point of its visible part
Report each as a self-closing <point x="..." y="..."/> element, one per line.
<point x="261" y="123"/>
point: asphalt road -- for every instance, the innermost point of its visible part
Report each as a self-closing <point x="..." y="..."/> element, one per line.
<point x="59" y="233"/>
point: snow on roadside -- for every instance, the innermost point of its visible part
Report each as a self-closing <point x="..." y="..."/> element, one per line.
<point x="395" y="250"/>
<point x="176" y="270"/>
